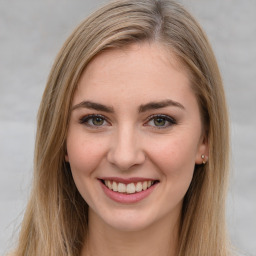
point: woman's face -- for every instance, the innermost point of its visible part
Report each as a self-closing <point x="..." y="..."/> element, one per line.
<point x="135" y="136"/>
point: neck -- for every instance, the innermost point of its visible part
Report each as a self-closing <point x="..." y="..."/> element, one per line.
<point x="158" y="239"/>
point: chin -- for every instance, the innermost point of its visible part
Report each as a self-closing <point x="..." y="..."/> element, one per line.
<point x="130" y="225"/>
<point x="128" y="220"/>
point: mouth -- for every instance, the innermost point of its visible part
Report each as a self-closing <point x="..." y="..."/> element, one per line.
<point x="128" y="188"/>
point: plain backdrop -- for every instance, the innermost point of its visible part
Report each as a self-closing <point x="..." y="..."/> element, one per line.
<point x="32" y="32"/>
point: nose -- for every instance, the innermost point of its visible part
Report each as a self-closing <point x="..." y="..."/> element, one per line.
<point x="126" y="150"/>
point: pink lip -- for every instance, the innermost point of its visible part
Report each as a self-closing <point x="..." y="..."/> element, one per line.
<point x="127" y="198"/>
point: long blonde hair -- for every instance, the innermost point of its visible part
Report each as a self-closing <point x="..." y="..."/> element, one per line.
<point x="55" y="221"/>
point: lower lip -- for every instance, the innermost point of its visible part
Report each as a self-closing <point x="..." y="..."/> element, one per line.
<point x="127" y="198"/>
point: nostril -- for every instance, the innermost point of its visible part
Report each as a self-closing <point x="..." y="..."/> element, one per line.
<point x="125" y="159"/>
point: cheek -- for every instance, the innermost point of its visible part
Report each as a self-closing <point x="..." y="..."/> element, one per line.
<point x="174" y="156"/>
<point x="84" y="154"/>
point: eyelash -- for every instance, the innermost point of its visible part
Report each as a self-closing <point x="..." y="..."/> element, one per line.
<point x="86" y="119"/>
<point x="170" y="120"/>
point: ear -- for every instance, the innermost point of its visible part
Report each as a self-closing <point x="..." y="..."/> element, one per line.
<point x="202" y="151"/>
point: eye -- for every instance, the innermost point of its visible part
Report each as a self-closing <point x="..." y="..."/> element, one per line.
<point x="94" y="121"/>
<point x="160" y="121"/>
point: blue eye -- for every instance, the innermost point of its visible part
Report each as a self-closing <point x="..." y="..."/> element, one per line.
<point x="161" y="121"/>
<point x="93" y="120"/>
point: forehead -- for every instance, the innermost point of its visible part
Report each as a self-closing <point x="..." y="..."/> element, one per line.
<point x="141" y="52"/>
<point x="147" y="70"/>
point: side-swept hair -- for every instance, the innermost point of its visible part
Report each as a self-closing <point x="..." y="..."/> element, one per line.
<point x="55" y="221"/>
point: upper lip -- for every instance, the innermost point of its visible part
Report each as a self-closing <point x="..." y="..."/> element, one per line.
<point x="127" y="180"/>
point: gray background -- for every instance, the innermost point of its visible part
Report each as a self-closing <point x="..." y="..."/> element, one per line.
<point x="31" y="33"/>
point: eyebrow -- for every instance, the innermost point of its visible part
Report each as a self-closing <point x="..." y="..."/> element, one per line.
<point x="160" y="104"/>
<point x="93" y="105"/>
<point x="142" y="108"/>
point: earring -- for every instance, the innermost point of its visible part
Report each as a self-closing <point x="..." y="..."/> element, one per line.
<point x="203" y="157"/>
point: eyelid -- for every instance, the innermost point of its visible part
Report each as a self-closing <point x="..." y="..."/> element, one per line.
<point x="172" y="121"/>
<point x="84" y="120"/>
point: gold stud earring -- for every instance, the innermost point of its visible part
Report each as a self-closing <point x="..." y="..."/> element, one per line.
<point x="203" y="157"/>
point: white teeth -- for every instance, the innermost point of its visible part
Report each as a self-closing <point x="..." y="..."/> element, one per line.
<point x="145" y="185"/>
<point x="130" y="188"/>
<point x="121" y="188"/>
<point x="109" y="185"/>
<point x="114" y="186"/>
<point x="138" y="187"/>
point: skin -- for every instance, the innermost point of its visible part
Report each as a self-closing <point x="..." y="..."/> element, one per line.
<point x="129" y="141"/>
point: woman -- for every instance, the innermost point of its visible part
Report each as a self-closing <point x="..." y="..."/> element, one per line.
<point x="132" y="143"/>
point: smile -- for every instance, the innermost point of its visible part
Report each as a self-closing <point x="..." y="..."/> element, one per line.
<point x="128" y="191"/>
<point x="130" y="188"/>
